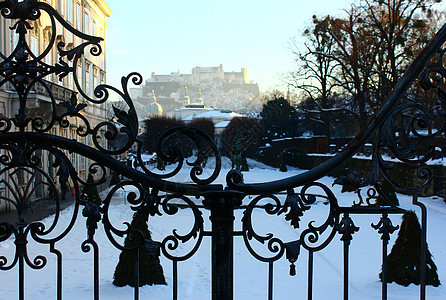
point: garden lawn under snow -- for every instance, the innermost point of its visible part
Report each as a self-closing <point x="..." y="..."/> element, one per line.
<point x="250" y="274"/>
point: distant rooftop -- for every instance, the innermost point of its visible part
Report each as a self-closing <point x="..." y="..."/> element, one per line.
<point x="214" y="114"/>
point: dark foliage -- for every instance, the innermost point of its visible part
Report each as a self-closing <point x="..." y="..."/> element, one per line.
<point x="246" y="131"/>
<point x="282" y="162"/>
<point x="154" y="128"/>
<point x="203" y="124"/>
<point x="404" y="261"/>
<point x="387" y="195"/>
<point x="90" y="191"/>
<point x="278" y="120"/>
<point x="150" y="269"/>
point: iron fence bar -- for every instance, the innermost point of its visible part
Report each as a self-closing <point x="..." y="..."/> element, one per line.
<point x="384" y="271"/>
<point x="364" y="210"/>
<point x="310" y="274"/>
<point x="423" y="255"/>
<point x="175" y="279"/>
<point x="21" y="252"/>
<point x="346" y="261"/>
<point x="385" y="228"/>
<point x="96" y="269"/>
<point x="222" y="253"/>
<point x="221" y="205"/>
<point x="136" y="274"/>
<point x="110" y="162"/>
<point x="270" y="280"/>
<point x="59" y="270"/>
<point x="21" y="279"/>
<point x="347" y="228"/>
<point x="423" y="245"/>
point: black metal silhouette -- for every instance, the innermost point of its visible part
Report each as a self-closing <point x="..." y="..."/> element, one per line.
<point x="408" y="128"/>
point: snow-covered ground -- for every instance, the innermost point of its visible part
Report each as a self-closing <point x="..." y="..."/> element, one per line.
<point x="250" y="274"/>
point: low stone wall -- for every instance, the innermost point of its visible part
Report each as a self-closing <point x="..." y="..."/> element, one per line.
<point x="401" y="173"/>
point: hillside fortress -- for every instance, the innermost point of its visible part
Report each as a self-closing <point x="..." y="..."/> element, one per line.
<point x="203" y="74"/>
<point x="211" y="86"/>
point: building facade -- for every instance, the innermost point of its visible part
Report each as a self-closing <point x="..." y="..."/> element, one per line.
<point x="87" y="16"/>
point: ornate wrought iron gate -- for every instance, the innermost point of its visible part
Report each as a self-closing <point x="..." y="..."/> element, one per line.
<point x="25" y="140"/>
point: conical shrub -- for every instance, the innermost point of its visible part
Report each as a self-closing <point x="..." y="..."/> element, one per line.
<point x="150" y="269"/>
<point x="404" y="261"/>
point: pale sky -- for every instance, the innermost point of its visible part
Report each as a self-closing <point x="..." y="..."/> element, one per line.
<point x="169" y="35"/>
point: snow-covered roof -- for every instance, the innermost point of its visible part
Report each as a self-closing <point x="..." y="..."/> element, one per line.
<point x="222" y="124"/>
<point x="213" y="114"/>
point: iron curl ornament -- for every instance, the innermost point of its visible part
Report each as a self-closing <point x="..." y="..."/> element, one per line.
<point x="404" y="126"/>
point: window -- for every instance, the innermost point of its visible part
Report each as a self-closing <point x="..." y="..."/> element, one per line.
<point x="50" y="164"/>
<point x="93" y="84"/>
<point x="70" y="11"/>
<point x="87" y="79"/>
<point x="15" y="39"/>
<point x="78" y="16"/>
<point x="70" y="81"/>
<point x="49" y="57"/>
<point x="61" y="7"/>
<point x="82" y="158"/>
<point x="87" y="161"/>
<point x="95" y="77"/>
<point x="73" y="159"/>
<point x="34" y="45"/>
<point x="87" y="24"/>
<point x="102" y="77"/>
<point x="80" y="75"/>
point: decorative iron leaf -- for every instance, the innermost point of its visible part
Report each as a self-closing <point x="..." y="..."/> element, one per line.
<point x="62" y="69"/>
<point x="347" y="228"/>
<point x="296" y="209"/>
<point x="72" y="106"/>
<point x="350" y="183"/>
<point x="129" y="120"/>
<point x="385" y="227"/>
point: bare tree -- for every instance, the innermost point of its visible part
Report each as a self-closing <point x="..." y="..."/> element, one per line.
<point x="362" y="55"/>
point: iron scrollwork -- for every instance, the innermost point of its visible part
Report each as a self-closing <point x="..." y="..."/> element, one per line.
<point x="149" y="204"/>
<point x="275" y="245"/>
<point x="403" y="128"/>
<point x="295" y="207"/>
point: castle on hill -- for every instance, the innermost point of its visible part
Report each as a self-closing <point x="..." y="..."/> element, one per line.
<point x="204" y="88"/>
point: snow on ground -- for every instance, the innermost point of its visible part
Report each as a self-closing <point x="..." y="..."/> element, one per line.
<point x="250" y="275"/>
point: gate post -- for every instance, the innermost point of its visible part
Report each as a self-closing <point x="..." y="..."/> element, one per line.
<point x="221" y="205"/>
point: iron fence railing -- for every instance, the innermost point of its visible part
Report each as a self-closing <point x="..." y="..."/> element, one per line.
<point x="23" y="138"/>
